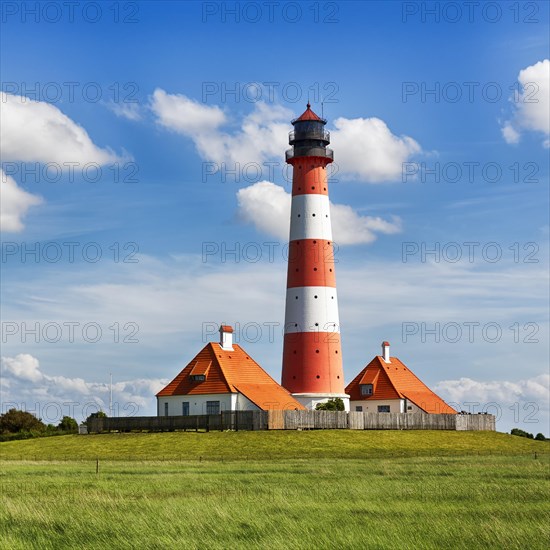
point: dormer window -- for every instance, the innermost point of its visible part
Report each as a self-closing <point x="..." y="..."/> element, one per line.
<point x="366" y="389"/>
<point x="199" y="372"/>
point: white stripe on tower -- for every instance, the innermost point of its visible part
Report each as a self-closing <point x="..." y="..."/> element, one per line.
<point x="310" y="218"/>
<point x="311" y="309"/>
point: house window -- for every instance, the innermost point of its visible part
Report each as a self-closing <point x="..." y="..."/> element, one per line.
<point x="165" y="409"/>
<point x="212" y="407"/>
<point x="383" y="408"/>
<point x="409" y="408"/>
<point x="366" y="389"/>
<point x="198" y="377"/>
<point x="359" y="408"/>
<point x="185" y="408"/>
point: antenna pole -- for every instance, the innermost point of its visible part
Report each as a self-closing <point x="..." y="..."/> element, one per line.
<point x="110" y="394"/>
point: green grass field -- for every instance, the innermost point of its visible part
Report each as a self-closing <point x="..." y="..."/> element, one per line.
<point x="291" y="490"/>
<point x="269" y="445"/>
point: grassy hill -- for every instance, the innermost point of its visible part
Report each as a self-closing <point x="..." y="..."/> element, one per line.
<point x="276" y="490"/>
<point x="269" y="445"/>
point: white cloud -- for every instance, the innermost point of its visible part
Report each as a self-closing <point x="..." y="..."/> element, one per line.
<point x="366" y="148"/>
<point x="465" y="389"/>
<point x="350" y="228"/>
<point x="520" y="403"/>
<point x="531" y="104"/>
<point x="267" y="206"/>
<point x="33" y="389"/>
<point x="510" y="134"/>
<point x="130" y="111"/>
<point x="22" y="366"/>
<point x="14" y="203"/>
<point x="185" y="116"/>
<point x="262" y="135"/>
<point x="35" y="131"/>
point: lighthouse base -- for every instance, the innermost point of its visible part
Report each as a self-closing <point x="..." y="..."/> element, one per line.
<point x="310" y="400"/>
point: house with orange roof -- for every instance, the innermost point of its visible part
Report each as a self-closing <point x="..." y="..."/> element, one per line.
<point x="388" y="385"/>
<point x="223" y="377"/>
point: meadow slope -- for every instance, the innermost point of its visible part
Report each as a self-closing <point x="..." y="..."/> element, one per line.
<point x="269" y="445"/>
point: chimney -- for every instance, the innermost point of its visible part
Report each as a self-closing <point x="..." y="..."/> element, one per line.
<point x="386" y="351"/>
<point x="226" y="337"/>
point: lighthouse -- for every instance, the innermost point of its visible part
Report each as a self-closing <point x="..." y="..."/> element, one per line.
<point x="312" y="354"/>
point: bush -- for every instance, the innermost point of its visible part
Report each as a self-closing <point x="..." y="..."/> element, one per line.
<point x="521" y="433"/>
<point x="15" y="421"/>
<point x="14" y="437"/>
<point x="540" y="437"/>
<point x="331" y="405"/>
<point x="68" y="424"/>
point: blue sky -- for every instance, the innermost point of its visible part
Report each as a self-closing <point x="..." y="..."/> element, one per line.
<point x="419" y="167"/>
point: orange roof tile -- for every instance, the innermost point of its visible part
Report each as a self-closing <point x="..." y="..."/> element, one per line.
<point x="394" y="380"/>
<point x="226" y="328"/>
<point x="231" y="372"/>
<point x="370" y="377"/>
<point x="426" y="401"/>
<point x="268" y="396"/>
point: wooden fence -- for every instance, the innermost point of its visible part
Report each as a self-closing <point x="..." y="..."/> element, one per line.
<point x="295" y="420"/>
<point x="227" y="420"/>
<point x="476" y="422"/>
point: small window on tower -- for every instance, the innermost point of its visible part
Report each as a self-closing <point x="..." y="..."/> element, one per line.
<point x="198" y="377"/>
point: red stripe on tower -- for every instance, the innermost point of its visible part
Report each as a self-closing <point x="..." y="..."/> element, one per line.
<point x="312" y="355"/>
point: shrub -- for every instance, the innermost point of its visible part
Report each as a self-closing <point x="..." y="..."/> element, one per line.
<point x="15" y="421"/>
<point x="521" y="433"/>
<point x="540" y="437"/>
<point x="68" y="424"/>
<point x="331" y="405"/>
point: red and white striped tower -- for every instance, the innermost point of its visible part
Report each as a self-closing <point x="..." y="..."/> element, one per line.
<point x="312" y="355"/>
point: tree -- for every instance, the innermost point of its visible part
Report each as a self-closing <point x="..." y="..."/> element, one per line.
<point x="540" y="437"/>
<point x="331" y="405"/>
<point x="15" y="421"/>
<point x="68" y="424"/>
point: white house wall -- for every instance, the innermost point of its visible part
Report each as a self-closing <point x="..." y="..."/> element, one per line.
<point x="242" y="403"/>
<point x="412" y="408"/>
<point x="197" y="403"/>
<point x="371" y="405"/>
